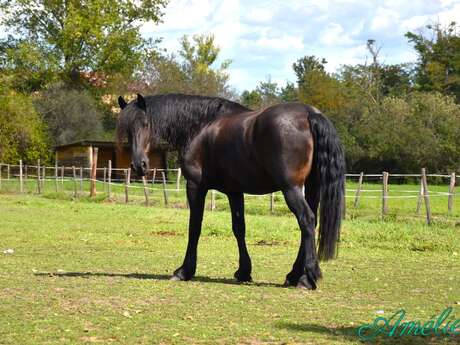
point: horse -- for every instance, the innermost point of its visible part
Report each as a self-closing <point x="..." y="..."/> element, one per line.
<point x="222" y="145"/>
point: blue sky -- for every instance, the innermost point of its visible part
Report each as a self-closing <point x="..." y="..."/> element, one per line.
<point x="264" y="38"/>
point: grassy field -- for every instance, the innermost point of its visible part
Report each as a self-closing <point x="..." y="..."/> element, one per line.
<point x="97" y="272"/>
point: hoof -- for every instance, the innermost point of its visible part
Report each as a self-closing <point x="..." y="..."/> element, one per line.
<point x="288" y="283"/>
<point x="181" y="274"/>
<point x="242" y="277"/>
<point x="175" y="278"/>
<point x="306" y="283"/>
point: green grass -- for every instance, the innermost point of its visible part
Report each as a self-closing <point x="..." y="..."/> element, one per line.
<point x="88" y="272"/>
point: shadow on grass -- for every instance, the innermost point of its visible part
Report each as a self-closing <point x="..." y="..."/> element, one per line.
<point x="351" y="334"/>
<point x="151" y="277"/>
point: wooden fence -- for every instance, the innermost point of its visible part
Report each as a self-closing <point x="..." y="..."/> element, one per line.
<point x="110" y="177"/>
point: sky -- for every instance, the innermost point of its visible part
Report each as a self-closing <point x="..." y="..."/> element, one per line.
<point x="264" y="38"/>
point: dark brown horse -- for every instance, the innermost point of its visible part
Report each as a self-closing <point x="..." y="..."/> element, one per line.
<point x="225" y="146"/>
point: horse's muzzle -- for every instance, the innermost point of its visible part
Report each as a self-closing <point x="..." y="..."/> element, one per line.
<point x="141" y="168"/>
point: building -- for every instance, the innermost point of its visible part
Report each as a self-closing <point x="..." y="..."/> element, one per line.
<point x="80" y="153"/>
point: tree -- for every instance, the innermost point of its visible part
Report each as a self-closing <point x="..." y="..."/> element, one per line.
<point x="251" y="99"/>
<point x="438" y="65"/>
<point x="420" y="129"/>
<point x="289" y="93"/>
<point x="269" y="92"/>
<point x="193" y="71"/>
<point x="22" y="133"/>
<point x="30" y="67"/>
<point x="306" y="65"/>
<point x="316" y="87"/>
<point x="89" y="36"/>
<point x="70" y="115"/>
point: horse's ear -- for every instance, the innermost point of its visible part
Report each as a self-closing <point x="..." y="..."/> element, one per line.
<point x="141" y="102"/>
<point x="122" y="103"/>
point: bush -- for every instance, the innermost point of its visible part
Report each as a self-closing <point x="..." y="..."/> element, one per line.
<point x="22" y="132"/>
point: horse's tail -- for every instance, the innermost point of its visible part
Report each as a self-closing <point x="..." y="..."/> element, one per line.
<point x="329" y="163"/>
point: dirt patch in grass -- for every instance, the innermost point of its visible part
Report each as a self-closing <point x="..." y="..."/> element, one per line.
<point x="164" y="233"/>
<point x="269" y="243"/>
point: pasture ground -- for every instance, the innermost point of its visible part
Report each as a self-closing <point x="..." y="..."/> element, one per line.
<point x="97" y="272"/>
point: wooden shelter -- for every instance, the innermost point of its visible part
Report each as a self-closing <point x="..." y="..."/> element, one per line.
<point x="80" y="153"/>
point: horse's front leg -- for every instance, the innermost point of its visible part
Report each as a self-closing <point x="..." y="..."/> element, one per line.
<point x="196" y="199"/>
<point x="243" y="274"/>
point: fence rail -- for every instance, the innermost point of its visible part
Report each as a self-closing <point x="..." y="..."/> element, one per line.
<point x="111" y="178"/>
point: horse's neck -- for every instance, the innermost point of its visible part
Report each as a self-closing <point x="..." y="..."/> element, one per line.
<point x="179" y="127"/>
<point x="178" y="131"/>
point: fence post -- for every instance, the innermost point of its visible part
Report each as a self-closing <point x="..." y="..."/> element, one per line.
<point x="62" y="177"/>
<point x="21" y="180"/>
<point x="8" y="172"/>
<point x="384" y="194"/>
<point x="272" y="202"/>
<point x="38" y="177"/>
<point x="358" y="190"/>
<point x="426" y="197"/>
<point x="81" y="180"/>
<point x="144" y="182"/>
<point x="94" y="172"/>
<point x="1" y="175"/>
<point x="74" y="181"/>
<point x="43" y="177"/>
<point x="165" y="194"/>
<point x="56" y="176"/>
<point x="154" y="174"/>
<point x="26" y="173"/>
<point x="179" y="171"/>
<point x="420" y="196"/>
<point x="127" y="179"/>
<point x="109" y="187"/>
<point x="213" y="200"/>
<point x="105" y="176"/>
<point x="450" y="200"/>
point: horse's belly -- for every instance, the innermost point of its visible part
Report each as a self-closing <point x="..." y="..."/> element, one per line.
<point x="243" y="176"/>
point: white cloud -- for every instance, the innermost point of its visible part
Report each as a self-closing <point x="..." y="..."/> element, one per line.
<point x="283" y="42"/>
<point x="346" y="56"/>
<point x="385" y="20"/>
<point x="334" y="34"/>
<point x="259" y="15"/>
<point x="452" y="14"/>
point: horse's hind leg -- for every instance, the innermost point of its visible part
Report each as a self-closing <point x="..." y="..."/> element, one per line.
<point x="196" y="198"/>
<point x="305" y="271"/>
<point x="243" y="274"/>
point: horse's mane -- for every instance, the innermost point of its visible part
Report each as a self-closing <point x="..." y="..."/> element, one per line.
<point x="176" y="118"/>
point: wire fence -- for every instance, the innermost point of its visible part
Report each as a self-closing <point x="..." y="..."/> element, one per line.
<point x="167" y="187"/>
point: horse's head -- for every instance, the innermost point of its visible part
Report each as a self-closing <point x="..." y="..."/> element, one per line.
<point x="134" y="126"/>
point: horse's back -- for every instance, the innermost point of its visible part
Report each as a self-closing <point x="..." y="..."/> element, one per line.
<point x="257" y="152"/>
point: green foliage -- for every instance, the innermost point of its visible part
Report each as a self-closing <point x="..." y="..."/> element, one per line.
<point x="22" y="133"/>
<point x="306" y="65"/>
<point x="251" y="99"/>
<point x="29" y="66"/>
<point x="96" y="35"/>
<point x="288" y="93"/>
<point x="438" y="66"/>
<point x="70" y="115"/>
<point x="317" y="87"/>
<point x="193" y="72"/>
<point x="269" y="92"/>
